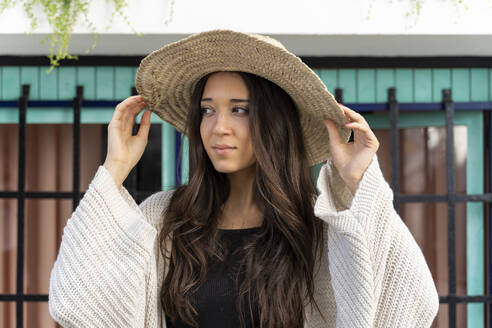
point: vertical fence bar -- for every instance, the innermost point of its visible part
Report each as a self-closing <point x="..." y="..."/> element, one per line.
<point x="395" y="147"/>
<point x="178" y="157"/>
<point x="339" y="99"/>
<point x="168" y="156"/>
<point x="77" y="105"/>
<point x="475" y="226"/>
<point x="339" y="95"/>
<point x="451" y="193"/>
<point x="131" y="181"/>
<point x="489" y="214"/>
<point x="24" y="98"/>
<point x="488" y="143"/>
<point x="185" y="161"/>
<point x="475" y="229"/>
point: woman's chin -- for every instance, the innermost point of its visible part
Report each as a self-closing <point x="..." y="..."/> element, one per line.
<point x="225" y="168"/>
<point x="231" y="167"/>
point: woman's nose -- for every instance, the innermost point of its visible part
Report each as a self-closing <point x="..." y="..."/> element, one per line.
<point x="222" y="124"/>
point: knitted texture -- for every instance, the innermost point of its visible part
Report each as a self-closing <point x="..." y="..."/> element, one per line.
<point x="109" y="269"/>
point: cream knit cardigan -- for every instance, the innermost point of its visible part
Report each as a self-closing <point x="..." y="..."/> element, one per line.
<point x="109" y="269"/>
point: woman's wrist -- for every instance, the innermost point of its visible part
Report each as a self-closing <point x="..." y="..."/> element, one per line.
<point x="117" y="171"/>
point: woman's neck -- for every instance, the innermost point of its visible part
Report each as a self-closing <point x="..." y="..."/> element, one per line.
<point x="239" y="210"/>
<point x="237" y="219"/>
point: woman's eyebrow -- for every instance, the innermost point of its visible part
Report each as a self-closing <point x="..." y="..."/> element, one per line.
<point x="235" y="100"/>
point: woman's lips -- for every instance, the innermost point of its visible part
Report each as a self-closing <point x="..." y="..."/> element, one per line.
<point x="223" y="151"/>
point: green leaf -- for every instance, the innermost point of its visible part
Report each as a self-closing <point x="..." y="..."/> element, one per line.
<point x="62" y="16"/>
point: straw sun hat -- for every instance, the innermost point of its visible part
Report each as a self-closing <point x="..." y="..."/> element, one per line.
<point x="166" y="78"/>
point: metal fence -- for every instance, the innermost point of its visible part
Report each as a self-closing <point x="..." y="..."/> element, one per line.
<point x="392" y="107"/>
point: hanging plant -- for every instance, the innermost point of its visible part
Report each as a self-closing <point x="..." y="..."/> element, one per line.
<point x="62" y="16"/>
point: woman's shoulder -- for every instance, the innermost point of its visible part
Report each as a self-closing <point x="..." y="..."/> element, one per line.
<point x="154" y="205"/>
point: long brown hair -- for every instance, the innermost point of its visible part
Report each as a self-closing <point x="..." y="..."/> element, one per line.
<point x="278" y="262"/>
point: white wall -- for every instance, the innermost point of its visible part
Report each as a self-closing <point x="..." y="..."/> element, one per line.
<point x="310" y="27"/>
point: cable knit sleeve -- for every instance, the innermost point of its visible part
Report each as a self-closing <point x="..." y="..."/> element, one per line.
<point x="105" y="274"/>
<point x="378" y="271"/>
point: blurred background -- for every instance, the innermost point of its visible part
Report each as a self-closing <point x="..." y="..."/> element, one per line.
<point x="419" y="71"/>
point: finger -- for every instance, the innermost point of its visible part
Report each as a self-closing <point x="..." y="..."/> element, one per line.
<point x="136" y="108"/>
<point x="121" y="118"/>
<point x="132" y="101"/>
<point x="352" y="115"/>
<point x="359" y="126"/>
<point x="125" y="116"/>
<point x="333" y="132"/>
<point x="364" y="131"/>
<point x="122" y="107"/>
<point x="143" y="131"/>
<point x="130" y="114"/>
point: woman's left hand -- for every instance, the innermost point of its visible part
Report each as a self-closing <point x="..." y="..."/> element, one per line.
<point x="352" y="158"/>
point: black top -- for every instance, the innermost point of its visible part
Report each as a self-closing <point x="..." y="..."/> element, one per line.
<point x="215" y="299"/>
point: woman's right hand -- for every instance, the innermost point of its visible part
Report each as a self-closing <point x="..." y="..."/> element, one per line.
<point x="124" y="150"/>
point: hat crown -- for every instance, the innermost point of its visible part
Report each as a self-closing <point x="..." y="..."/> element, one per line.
<point x="268" y="39"/>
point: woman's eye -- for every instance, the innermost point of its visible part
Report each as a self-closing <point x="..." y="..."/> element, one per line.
<point x="204" y="110"/>
<point x="243" y="109"/>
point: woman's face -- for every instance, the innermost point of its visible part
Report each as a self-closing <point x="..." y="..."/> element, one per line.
<point x="224" y="127"/>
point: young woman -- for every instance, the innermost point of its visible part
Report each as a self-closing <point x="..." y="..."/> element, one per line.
<point x="246" y="242"/>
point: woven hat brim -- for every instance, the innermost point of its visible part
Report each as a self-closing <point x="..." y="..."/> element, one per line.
<point x="166" y="79"/>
